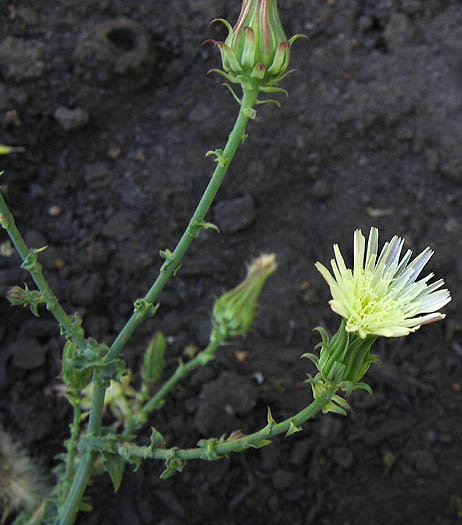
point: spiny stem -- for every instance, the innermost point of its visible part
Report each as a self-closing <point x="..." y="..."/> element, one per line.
<point x="226" y="447"/>
<point x="236" y="137"/>
<point x="9" y="224"/>
<point x="183" y="369"/>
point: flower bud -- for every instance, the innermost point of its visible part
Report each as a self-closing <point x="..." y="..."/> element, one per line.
<point x="234" y="311"/>
<point x="154" y="359"/>
<point x="256" y="47"/>
<point x="17" y="295"/>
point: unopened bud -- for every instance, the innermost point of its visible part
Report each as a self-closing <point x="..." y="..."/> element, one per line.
<point x="256" y="47"/>
<point x="17" y="295"/>
<point x="154" y="359"/>
<point x="234" y="311"/>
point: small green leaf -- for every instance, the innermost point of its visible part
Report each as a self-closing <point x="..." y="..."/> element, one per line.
<point x="293" y="428"/>
<point x="236" y="98"/>
<point x="157" y="439"/>
<point x="311" y="357"/>
<point x="114" y="464"/>
<point x="154" y="359"/>
<point x="261" y="443"/>
<point x="172" y="466"/>
<point x="323" y="333"/>
<point x="270" y="418"/>
<point x="364" y="386"/>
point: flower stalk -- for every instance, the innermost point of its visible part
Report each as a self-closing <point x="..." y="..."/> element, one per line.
<point x="169" y="268"/>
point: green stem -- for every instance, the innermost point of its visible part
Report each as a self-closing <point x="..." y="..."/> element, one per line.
<point x="183" y="369"/>
<point x="72" y="445"/>
<point x="35" y="270"/>
<point x="236" y="445"/>
<point x="236" y="137"/>
<point x="82" y="477"/>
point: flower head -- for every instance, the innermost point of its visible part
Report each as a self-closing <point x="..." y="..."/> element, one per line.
<point x="234" y="312"/>
<point x="256" y="47"/>
<point x="381" y="295"/>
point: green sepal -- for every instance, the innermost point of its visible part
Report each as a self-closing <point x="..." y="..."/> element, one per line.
<point x="258" y="72"/>
<point x="364" y="386"/>
<point x="278" y="79"/>
<point x="229" y="27"/>
<point x="293" y="428"/>
<point x="347" y="387"/>
<point x="269" y="101"/>
<point x="228" y="76"/>
<point x="114" y="464"/>
<point x="332" y="407"/>
<point x="323" y="333"/>
<point x="231" y="90"/>
<point x="270" y="89"/>
<point x="311" y="357"/>
<point x="341" y="402"/>
<point x="249" y="50"/>
<point x="336" y="372"/>
<point x="229" y="59"/>
<point x="296" y="37"/>
<point x="281" y="59"/>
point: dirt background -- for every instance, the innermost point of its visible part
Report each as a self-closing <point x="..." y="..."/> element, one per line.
<point x="112" y="103"/>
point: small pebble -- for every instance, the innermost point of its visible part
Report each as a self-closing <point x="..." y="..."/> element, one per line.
<point x="236" y="214"/>
<point x="321" y="189"/>
<point x="27" y="353"/>
<point x="71" y="119"/>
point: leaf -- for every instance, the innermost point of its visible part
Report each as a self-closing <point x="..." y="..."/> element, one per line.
<point x="154" y="359"/>
<point x="261" y="443"/>
<point x="157" y="439"/>
<point x="173" y="465"/>
<point x="114" y="464"/>
<point x="293" y="428"/>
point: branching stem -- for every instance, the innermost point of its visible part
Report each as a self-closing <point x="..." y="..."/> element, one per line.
<point x="169" y="268"/>
<point x="35" y="270"/>
<point x="183" y="369"/>
<point x="234" y="445"/>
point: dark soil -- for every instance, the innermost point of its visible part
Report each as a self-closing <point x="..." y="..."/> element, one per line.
<point x="112" y="103"/>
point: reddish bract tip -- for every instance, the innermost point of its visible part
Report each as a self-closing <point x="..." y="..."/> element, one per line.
<point x="210" y="41"/>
